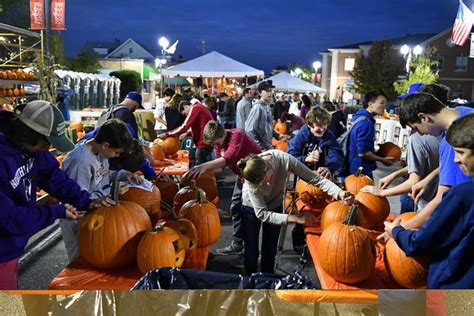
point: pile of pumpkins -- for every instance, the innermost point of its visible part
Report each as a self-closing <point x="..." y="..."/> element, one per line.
<point x="282" y="129"/>
<point x="163" y="148"/>
<point x="17" y="75"/>
<point x="14" y="91"/>
<point x="137" y="230"/>
<point x="347" y="249"/>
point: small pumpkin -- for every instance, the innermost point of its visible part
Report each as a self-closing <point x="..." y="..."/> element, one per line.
<point x="390" y="149"/>
<point x="312" y="196"/>
<point x="203" y="214"/>
<point x="157" y="152"/>
<point x="409" y="272"/>
<point x="206" y="181"/>
<point x="374" y="209"/>
<point x="108" y="237"/>
<point x="355" y="182"/>
<point x="78" y="126"/>
<point x="168" y="190"/>
<point x="334" y="212"/>
<point x="160" y="247"/>
<point x="150" y="201"/>
<point x="186" y="194"/>
<point x="281" y="128"/>
<point x="346" y="252"/>
<point x="186" y="231"/>
<point x="280" y="145"/>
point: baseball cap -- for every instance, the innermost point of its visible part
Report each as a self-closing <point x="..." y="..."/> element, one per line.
<point x="264" y="85"/>
<point x="46" y="119"/>
<point x="135" y="96"/>
<point x="412" y="89"/>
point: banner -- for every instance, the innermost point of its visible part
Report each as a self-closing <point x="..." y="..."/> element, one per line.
<point x="37" y="14"/>
<point x="58" y="15"/>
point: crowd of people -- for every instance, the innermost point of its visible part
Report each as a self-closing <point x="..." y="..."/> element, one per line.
<point x="238" y="134"/>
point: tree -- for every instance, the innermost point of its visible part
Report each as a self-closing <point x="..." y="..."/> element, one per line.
<point x="15" y="12"/>
<point x="378" y="70"/>
<point x="48" y="81"/>
<point x="85" y="61"/>
<point x="129" y="81"/>
<point x="421" y="70"/>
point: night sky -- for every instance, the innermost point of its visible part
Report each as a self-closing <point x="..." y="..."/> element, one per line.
<point x="260" y="33"/>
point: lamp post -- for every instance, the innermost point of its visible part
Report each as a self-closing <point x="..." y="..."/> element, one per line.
<point x="407" y="52"/>
<point x="164" y="44"/>
<point x="316" y="66"/>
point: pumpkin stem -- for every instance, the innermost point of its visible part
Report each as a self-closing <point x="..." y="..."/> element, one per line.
<point x="201" y="196"/>
<point x="359" y="171"/>
<point x="193" y="185"/>
<point x="351" y="215"/>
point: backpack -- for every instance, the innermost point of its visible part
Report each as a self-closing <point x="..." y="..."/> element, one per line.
<point x="343" y="141"/>
<point x="109" y="114"/>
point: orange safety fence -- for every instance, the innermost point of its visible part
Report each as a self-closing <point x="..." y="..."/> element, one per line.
<point x="332" y="296"/>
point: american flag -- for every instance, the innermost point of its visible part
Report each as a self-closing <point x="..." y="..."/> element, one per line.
<point x="462" y="25"/>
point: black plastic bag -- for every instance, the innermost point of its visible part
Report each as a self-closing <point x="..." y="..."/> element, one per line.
<point x="174" y="279"/>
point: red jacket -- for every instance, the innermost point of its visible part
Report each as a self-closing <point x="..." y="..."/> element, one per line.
<point x="196" y="120"/>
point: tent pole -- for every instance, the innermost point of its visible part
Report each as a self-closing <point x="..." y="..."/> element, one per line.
<point x="212" y="84"/>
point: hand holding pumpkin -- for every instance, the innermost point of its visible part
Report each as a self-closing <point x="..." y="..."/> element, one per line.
<point x="195" y="172"/>
<point x="71" y="211"/>
<point x="372" y="189"/>
<point x="312" y="157"/>
<point x="388" y="161"/>
<point x="346" y="197"/>
<point x="390" y="225"/>
<point x="103" y="201"/>
<point x="385" y="181"/>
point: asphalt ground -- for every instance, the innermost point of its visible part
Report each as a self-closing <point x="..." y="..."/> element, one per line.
<point x="43" y="266"/>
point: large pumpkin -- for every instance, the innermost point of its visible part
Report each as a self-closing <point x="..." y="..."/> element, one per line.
<point x="334" y="212"/>
<point x="160" y="247"/>
<point x="312" y="196"/>
<point x="186" y="231"/>
<point x="346" y="252"/>
<point x="409" y="272"/>
<point x="150" y="201"/>
<point x="108" y="237"/>
<point x="186" y="194"/>
<point x="281" y="128"/>
<point x="78" y="126"/>
<point x="374" y="209"/>
<point x="355" y="182"/>
<point x="170" y="145"/>
<point x="168" y="190"/>
<point x="157" y="152"/>
<point x="203" y="214"/>
<point x="389" y="149"/>
<point x="206" y="181"/>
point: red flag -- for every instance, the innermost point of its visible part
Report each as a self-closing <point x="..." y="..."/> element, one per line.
<point x="462" y="25"/>
<point x="37" y="14"/>
<point x="58" y="15"/>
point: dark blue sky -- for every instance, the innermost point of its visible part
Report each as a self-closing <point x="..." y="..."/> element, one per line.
<point x="261" y="33"/>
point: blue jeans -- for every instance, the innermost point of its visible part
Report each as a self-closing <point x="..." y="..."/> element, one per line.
<point x="250" y="233"/>
<point x="406" y="204"/>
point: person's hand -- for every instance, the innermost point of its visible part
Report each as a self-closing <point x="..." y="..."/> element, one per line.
<point x="417" y="191"/>
<point x="307" y="219"/>
<point x="162" y="136"/>
<point x="383" y="237"/>
<point x="312" y="157"/>
<point x="385" y="181"/>
<point x="123" y="188"/>
<point x="136" y="179"/>
<point x="324" y="172"/>
<point x="182" y="136"/>
<point x="71" y="211"/>
<point x="194" y="172"/>
<point x="390" y="225"/>
<point x="283" y="137"/>
<point x="346" y="197"/>
<point x="372" y="189"/>
<point x="102" y="201"/>
<point x="388" y="161"/>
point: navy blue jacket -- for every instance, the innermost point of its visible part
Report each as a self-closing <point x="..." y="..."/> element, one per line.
<point x="361" y="140"/>
<point x="304" y="142"/>
<point x="448" y="237"/>
<point x="21" y="173"/>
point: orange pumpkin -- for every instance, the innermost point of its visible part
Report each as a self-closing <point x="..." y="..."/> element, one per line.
<point x="157" y="152"/>
<point x="280" y="145"/>
<point x="16" y="92"/>
<point x="389" y="149"/>
<point x="150" y="201"/>
<point x="10" y="92"/>
<point x="3" y="92"/>
<point x="312" y="196"/>
<point x="78" y="126"/>
<point x="170" y="145"/>
<point x="334" y="212"/>
<point x="108" y="237"/>
<point x="168" y="190"/>
<point x="186" y="194"/>
<point x="374" y="209"/>
<point x="13" y="76"/>
<point x="206" y="181"/>
<point x="409" y="272"/>
<point x="346" y="252"/>
<point x="186" y="231"/>
<point x="203" y="214"/>
<point x="355" y="182"/>
<point x="160" y="247"/>
<point x="281" y="128"/>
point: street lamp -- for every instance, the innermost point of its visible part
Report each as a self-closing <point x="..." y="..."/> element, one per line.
<point x="407" y="52"/>
<point x="316" y="65"/>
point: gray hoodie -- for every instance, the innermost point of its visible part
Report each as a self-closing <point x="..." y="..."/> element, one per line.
<point x="259" y="125"/>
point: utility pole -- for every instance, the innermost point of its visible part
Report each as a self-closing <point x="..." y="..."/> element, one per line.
<point x="47" y="22"/>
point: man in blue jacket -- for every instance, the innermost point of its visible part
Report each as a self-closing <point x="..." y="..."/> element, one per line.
<point x="315" y="146"/>
<point x="448" y="235"/>
<point x="25" y="165"/>
<point x="362" y="136"/>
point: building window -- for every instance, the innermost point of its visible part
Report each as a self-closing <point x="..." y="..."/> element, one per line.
<point x="440" y="63"/>
<point x="461" y="63"/>
<point x="130" y="50"/>
<point x="349" y="64"/>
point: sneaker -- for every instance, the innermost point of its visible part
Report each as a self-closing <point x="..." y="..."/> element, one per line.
<point x="224" y="215"/>
<point x="232" y="249"/>
<point x="238" y="262"/>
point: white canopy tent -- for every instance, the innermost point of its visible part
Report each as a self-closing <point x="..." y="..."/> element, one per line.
<point x="287" y="83"/>
<point x="212" y="65"/>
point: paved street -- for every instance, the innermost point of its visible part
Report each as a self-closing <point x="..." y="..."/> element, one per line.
<point x="40" y="269"/>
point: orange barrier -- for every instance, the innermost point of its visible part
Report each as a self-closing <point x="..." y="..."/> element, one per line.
<point x="331" y="296"/>
<point x="174" y="167"/>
